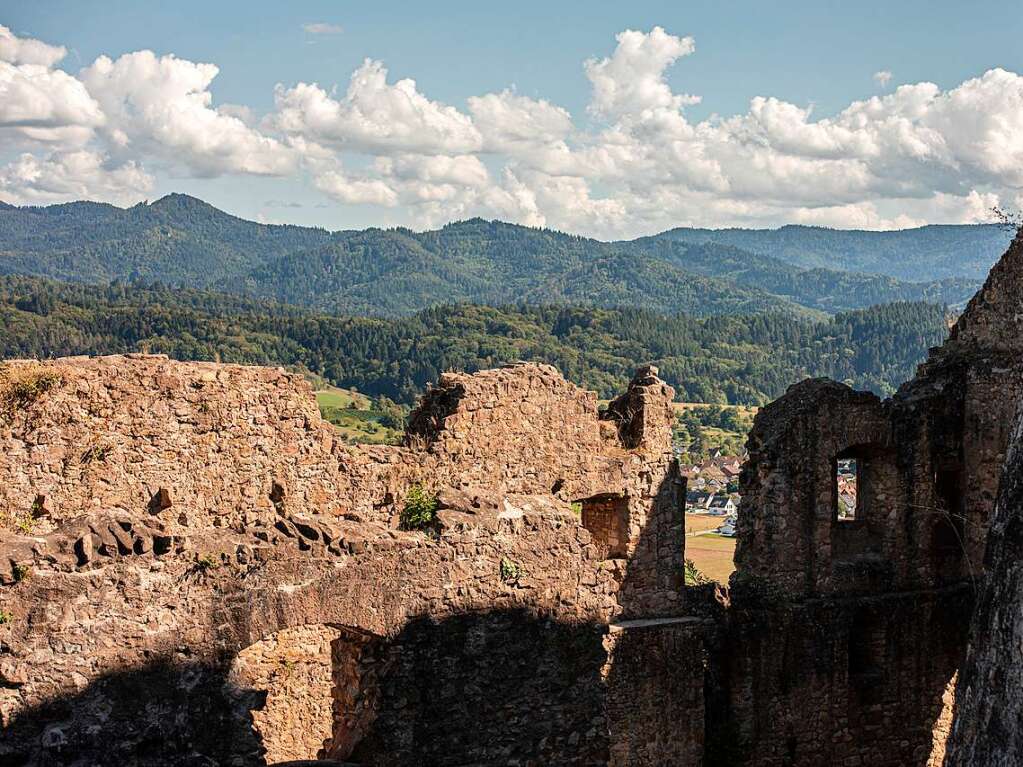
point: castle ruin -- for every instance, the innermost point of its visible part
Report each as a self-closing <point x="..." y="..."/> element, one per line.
<point x="196" y="570"/>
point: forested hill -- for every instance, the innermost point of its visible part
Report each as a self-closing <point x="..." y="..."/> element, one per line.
<point x="741" y="360"/>
<point x="825" y="289"/>
<point x="183" y="241"/>
<point x="394" y="273"/>
<point x="177" y="239"/>
<point x="928" y="252"/>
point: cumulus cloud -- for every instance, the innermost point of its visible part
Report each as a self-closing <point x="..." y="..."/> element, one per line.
<point x="163" y="106"/>
<point x="323" y="28"/>
<point x="355" y="191"/>
<point x="33" y="180"/>
<point x="20" y="50"/>
<point x="46" y="105"/>
<point x="639" y="163"/>
<point x="631" y="81"/>
<point x="375" y="115"/>
<point x="507" y="121"/>
<point x="37" y="102"/>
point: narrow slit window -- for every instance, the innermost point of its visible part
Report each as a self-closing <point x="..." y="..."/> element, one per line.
<point x="846" y="489"/>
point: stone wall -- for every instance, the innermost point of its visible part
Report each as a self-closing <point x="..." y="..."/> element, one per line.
<point x="296" y="669"/>
<point x="115" y="431"/>
<point x="655" y="673"/>
<point x="864" y="623"/>
<point x="843" y="681"/>
<point x="224" y="552"/>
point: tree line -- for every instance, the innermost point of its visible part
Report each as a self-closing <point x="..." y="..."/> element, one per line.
<point x="735" y="359"/>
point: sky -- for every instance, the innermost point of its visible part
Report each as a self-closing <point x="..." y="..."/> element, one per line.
<point x="604" y="119"/>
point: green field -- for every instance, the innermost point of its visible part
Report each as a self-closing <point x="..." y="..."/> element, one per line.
<point x="354" y="416"/>
<point x="341" y="398"/>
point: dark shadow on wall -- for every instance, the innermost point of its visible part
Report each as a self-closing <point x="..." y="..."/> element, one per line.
<point x="489" y="687"/>
<point x="166" y="712"/>
<point x="480" y="688"/>
<point x="500" y="687"/>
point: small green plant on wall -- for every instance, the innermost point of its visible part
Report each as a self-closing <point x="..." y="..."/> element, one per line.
<point x="693" y="575"/>
<point x="22" y="522"/>
<point x="420" y="509"/>
<point x="207" y="562"/>
<point x="510" y="572"/>
<point x="22" y="385"/>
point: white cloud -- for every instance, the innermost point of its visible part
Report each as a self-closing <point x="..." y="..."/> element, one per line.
<point x="33" y="180"/>
<point x="20" y="50"/>
<point x="323" y="28"/>
<point x="463" y="170"/>
<point x="39" y="103"/>
<point x="508" y="121"/>
<point x="375" y="116"/>
<point x="45" y="105"/>
<point x="905" y="157"/>
<point x="162" y="106"/>
<point x="631" y="81"/>
<point x="356" y="191"/>
<point x="882" y="78"/>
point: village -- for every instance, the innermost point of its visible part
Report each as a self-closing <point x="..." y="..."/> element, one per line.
<point x="712" y="504"/>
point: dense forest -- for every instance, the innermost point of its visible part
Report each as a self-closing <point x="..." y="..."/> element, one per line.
<point x="179" y="240"/>
<point x="724" y="359"/>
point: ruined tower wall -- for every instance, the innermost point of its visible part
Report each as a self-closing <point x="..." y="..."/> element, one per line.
<point x="790" y="539"/>
<point x="989" y="704"/>
<point x="845" y="634"/>
<point x="848" y="635"/>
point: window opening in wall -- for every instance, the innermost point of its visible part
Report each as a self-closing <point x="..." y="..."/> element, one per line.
<point x="606" y="516"/>
<point x="847" y="489"/>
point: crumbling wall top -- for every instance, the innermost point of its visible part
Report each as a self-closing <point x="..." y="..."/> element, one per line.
<point x="993" y="319"/>
<point x="790" y="538"/>
<point x="643" y="414"/>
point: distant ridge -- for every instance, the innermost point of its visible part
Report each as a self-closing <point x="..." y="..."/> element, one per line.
<point x="935" y="251"/>
<point x="184" y="241"/>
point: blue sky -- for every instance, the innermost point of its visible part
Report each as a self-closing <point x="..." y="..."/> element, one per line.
<point x="627" y="166"/>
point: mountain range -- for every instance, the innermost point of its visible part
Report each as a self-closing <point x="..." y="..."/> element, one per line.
<point x="804" y="271"/>
<point x="938" y="251"/>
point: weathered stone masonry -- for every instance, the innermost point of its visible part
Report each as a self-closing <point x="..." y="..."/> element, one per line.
<point x="195" y="570"/>
<point x="199" y="538"/>
<point x="845" y="636"/>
